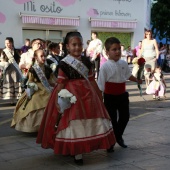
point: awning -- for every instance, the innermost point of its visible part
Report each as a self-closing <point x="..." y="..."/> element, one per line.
<point x="96" y="22"/>
<point x="50" y="20"/>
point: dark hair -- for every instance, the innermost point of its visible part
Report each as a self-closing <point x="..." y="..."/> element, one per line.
<point x="110" y="41"/>
<point x="67" y="38"/>
<point x="52" y="45"/>
<point x="88" y="42"/>
<point x="95" y="33"/>
<point x="11" y="40"/>
<point x="27" y="39"/>
<point x="32" y="42"/>
<point x="146" y="32"/>
<point x="3" y="55"/>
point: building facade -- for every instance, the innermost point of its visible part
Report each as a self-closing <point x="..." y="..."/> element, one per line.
<point x="52" y="19"/>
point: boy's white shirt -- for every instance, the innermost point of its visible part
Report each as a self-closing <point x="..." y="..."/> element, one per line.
<point x="111" y="71"/>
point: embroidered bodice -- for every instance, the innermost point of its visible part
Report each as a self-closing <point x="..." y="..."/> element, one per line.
<point x="70" y="72"/>
<point x="47" y="71"/>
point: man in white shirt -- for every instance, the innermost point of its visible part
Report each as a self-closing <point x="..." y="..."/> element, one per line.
<point x="94" y="51"/>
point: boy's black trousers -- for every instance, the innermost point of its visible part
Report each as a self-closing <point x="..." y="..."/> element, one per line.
<point x="118" y="109"/>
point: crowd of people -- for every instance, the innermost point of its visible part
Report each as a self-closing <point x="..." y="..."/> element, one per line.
<point x="75" y="99"/>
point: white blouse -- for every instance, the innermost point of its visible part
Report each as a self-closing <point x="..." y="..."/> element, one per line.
<point x="26" y="58"/>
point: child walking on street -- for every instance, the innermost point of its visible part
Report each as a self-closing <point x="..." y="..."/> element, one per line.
<point x="30" y="107"/>
<point x="84" y="126"/>
<point x="112" y="81"/>
<point x="158" y="86"/>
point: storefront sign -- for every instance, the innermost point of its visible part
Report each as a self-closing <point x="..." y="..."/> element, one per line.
<point x="51" y="8"/>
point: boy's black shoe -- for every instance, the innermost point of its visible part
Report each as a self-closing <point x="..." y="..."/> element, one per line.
<point x="78" y="161"/>
<point x="111" y="149"/>
<point x="121" y="143"/>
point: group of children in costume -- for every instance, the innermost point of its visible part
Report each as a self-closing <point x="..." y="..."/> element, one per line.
<point x="89" y="124"/>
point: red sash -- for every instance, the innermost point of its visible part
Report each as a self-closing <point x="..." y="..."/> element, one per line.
<point x="114" y="88"/>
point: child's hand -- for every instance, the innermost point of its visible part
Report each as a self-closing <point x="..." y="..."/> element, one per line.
<point x="139" y="81"/>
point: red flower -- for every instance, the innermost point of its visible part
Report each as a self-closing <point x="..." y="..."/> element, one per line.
<point x="25" y="70"/>
<point x="141" y="61"/>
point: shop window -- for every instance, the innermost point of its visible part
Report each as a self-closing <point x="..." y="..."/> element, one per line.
<point x="52" y="35"/>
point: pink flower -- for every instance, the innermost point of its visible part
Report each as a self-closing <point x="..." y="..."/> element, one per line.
<point x="92" y="12"/>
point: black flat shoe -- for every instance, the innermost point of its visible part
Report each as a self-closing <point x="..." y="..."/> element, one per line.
<point x="121" y="143"/>
<point x="111" y="149"/>
<point x="78" y="161"/>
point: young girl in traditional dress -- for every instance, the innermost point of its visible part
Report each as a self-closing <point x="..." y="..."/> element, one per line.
<point x="85" y="126"/>
<point x="158" y="86"/>
<point x="53" y="58"/>
<point x="10" y="88"/>
<point x="30" y="108"/>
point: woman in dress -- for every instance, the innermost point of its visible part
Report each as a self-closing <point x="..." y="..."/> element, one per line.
<point x="150" y="53"/>
<point x="94" y="51"/>
<point x="86" y="125"/>
<point x="30" y="108"/>
<point x="10" y="87"/>
<point x="26" y="59"/>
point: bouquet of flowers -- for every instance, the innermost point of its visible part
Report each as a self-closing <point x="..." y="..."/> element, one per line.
<point x="31" y="89"/>
<point x="65" y="99"/>
<point x="141" y="63"/>
<point x="53" y="66"/>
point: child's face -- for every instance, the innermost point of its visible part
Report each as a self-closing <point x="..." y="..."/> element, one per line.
<point x="93" y="36"/>
<point x="114" y="53"/>
<point x="36" y="45"/>
<point x="8" y="44"/>
<point x="75" y="46"/>
<point x="40" y="57"/>
<point x="157" y="70"/>
<point x="56" y="50"/>
<point x="27" y="43"/>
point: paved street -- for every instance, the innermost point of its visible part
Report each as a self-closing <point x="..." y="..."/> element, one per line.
<point x="147" y="136"/>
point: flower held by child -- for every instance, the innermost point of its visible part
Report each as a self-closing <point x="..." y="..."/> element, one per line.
<point x="65" y="99"/>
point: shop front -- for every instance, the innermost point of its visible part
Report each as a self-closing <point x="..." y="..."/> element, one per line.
<point x="52" y="19"/>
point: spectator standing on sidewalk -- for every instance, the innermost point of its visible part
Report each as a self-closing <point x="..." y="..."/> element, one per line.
<point x="138" y="48"/>
<point x="150" y="53"/>
<point x="129" y="55"/>
<point x="26" y="47"/>
<point x="94" y="50"/>
<point x="123" y="53"/>
<point x="162" y="55"/>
